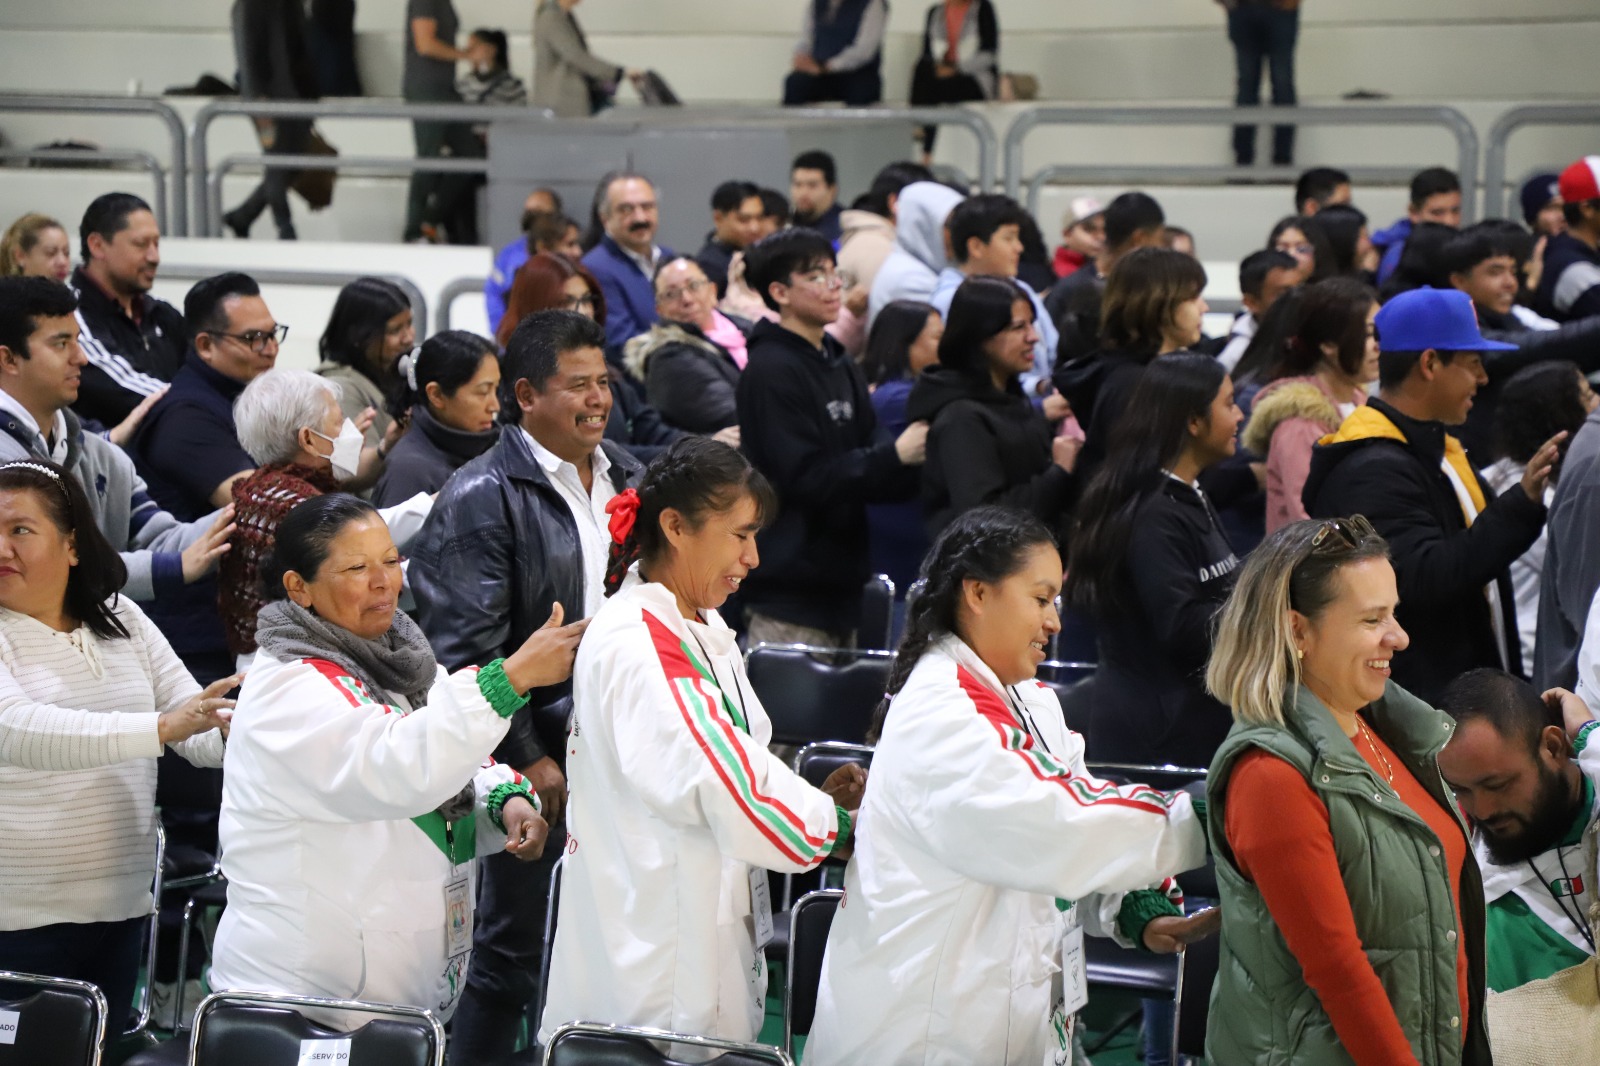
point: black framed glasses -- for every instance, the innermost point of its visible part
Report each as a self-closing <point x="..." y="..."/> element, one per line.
<point x="257" y="339"/>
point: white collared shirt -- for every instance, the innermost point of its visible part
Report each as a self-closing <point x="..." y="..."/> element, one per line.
<point x="56" y="443"/>
<point x="644" y="263"/>
<point x="588" y="509"/>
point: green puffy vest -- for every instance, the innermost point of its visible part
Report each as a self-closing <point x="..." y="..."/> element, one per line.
<point x="1262" y="1011"/>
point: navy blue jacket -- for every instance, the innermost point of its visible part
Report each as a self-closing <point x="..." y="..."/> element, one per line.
<point x="630" y="292"/>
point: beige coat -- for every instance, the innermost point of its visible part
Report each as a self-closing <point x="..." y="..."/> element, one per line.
<point x="563" y="64"/>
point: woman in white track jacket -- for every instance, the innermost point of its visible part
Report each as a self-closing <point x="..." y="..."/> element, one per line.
<point x="984" y="848"/>
<point x="677" y="808"/>
<point x="356" y="794"/>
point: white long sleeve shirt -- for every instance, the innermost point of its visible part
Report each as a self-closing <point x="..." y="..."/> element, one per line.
<point x="979" y="815"/>
<point x="674" y="799"/>
<point x="78" y="750"/>
<point x="339" y="870"/>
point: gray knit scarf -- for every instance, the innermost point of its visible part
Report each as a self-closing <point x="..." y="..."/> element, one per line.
<point x="399" y="662"/>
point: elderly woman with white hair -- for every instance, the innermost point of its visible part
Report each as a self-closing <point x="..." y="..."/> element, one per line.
<point x="291" y="423"/>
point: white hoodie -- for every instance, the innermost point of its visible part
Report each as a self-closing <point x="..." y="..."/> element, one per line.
<point x="912" y="269"/>
<point x="978" y="816"/>
<point x="338" y="875"/>
<point x="675" y="799"/>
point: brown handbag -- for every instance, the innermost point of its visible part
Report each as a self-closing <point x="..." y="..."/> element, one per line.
<point x="316" y="186"/>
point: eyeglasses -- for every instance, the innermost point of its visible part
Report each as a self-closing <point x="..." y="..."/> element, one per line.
<point x="823" y="279"/>
<point x="257" y="339"/>
<point x="1351" y="531"/>
<point x="578" y="303"/>
<point x="672" y="296"/>
<point x="1296" y="249"/>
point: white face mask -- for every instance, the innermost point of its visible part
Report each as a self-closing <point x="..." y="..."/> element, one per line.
<point x="346" y="454"/>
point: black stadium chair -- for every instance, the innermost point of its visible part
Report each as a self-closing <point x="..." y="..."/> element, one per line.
<point x="588" y="1044"/>
<point x="814" y="763"/>
<point x="811" y="695"/>
<point x="552" y="912"/>
<point x="1073" y="685"/>
<point x="262" y="1029"/>
<point x="58" y="1022"/>
<point x="877" y="614"/>
<point x="809" y="922"/>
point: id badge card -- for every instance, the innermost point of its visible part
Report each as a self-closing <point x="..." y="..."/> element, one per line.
<point x="1069" y="990"/>
<point x="458" y="912"/>
<point x="761" y="906"/>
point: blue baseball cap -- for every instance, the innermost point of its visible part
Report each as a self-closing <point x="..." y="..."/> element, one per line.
<point x="1441" y="319"/>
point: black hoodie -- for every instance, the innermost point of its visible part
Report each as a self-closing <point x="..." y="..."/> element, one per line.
<point x="1099" y="386"/>
<point x="984" y="446"/>
<point x="1149" y="702"/>
<point x="1441" y="564"/>
<point x="806" y="422"/>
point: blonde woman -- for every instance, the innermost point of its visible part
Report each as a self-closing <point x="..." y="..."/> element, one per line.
<point x="36" y="245"/>
<point x="1352" y="910"/>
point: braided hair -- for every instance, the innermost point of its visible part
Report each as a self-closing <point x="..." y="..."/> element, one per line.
<point x="986" y="544"/>
<point x="697" y="477"/>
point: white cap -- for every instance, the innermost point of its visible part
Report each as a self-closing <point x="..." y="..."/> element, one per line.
<point x="1082" y="207"/>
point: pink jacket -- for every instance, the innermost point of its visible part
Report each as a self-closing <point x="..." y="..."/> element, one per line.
<point x="1289" y="417"/>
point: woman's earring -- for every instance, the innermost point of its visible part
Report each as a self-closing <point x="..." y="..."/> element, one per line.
<point x="1299" y="653"/>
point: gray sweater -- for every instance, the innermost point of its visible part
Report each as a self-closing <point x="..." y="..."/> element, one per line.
<point x="150" y="540"/>
<point x="1571" y="562"/>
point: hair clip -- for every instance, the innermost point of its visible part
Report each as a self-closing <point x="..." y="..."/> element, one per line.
<point x="408" y="367"/>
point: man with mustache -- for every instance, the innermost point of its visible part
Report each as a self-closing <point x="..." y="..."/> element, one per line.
<point x="135" y="342"/>
<point x="625" y="260"/>
<point x="1518" y="778"/>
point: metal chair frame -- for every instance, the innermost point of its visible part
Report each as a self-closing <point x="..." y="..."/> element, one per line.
<point x="810" y="899"/>
<point x="273" y="999"/>
<point x="776" y="1055"/>
<point x="97" y="1000"/>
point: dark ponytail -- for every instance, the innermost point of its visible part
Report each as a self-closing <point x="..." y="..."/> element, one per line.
<point x="697" y="477"/>
<point x="986" y="544"/>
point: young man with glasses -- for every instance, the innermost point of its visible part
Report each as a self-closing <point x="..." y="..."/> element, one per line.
<point x="807" y="423"/>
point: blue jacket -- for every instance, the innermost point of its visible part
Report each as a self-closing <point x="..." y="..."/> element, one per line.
<point x="630" y="294"/>
<point x="497" y="286"/>
<point x="1392" y="242"/>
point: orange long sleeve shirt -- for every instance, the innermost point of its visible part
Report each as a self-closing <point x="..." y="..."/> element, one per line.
<point x="1279" y="832"/>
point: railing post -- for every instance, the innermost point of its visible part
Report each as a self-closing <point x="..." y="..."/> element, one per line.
<point x="1497" y="150"/>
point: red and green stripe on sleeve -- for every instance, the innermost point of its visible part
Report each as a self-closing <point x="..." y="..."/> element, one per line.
<point x="711" y="719"/>
<point x="1086" y="791"/>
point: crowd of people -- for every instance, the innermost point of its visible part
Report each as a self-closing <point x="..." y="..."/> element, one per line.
<point x="444" y="612"/>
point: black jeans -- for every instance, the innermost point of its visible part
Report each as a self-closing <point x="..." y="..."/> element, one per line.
<point x="930" y="90"/>
<point x="1262" y="34"/>
<point x="503" y="978"/>
<point x="106" y="954"/>
<point x="290" y="138"/>
<point x="857" y="88"/>
<point x="448" y="199"/>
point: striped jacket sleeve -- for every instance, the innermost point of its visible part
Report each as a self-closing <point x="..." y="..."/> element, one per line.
<point x="122" y="373"/>
<point x="993" y="803"/>
<point x="683" y="746"/>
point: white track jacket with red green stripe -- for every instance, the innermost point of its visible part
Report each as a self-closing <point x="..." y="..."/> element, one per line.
<point x="336" y="858"/>
<point x="674" y="798"/>
<point x="978" y="816"/>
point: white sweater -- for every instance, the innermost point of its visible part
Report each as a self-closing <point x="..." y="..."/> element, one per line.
<point x="78" y="749"/>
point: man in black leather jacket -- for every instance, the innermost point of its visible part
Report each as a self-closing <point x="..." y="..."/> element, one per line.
<point x="514" y="533"/>
<point x="1483" y="264"/>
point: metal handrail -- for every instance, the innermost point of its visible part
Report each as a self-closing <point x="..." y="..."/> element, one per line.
<point x="1089" y="174"/>
<point x="465" y="286"/>
<point x="326" y="278"/>
<point x="1494" y="153"/>
<point x="61" y="103"/>
<point x="1327" y="115"/>
<point x="88" y="157"/>
<point x="972" y="121"/>
<point x="361" y="164"/>
<point x="200" y="128"/>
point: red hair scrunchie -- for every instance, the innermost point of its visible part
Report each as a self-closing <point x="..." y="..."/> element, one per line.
<point x="624" y="511"/>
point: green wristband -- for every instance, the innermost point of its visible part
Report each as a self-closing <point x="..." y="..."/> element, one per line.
<point x="496" y="688"/>
<point x="500" y="795"/>
<point x="1584" y="734"/>
<point x="846" y="825"/>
